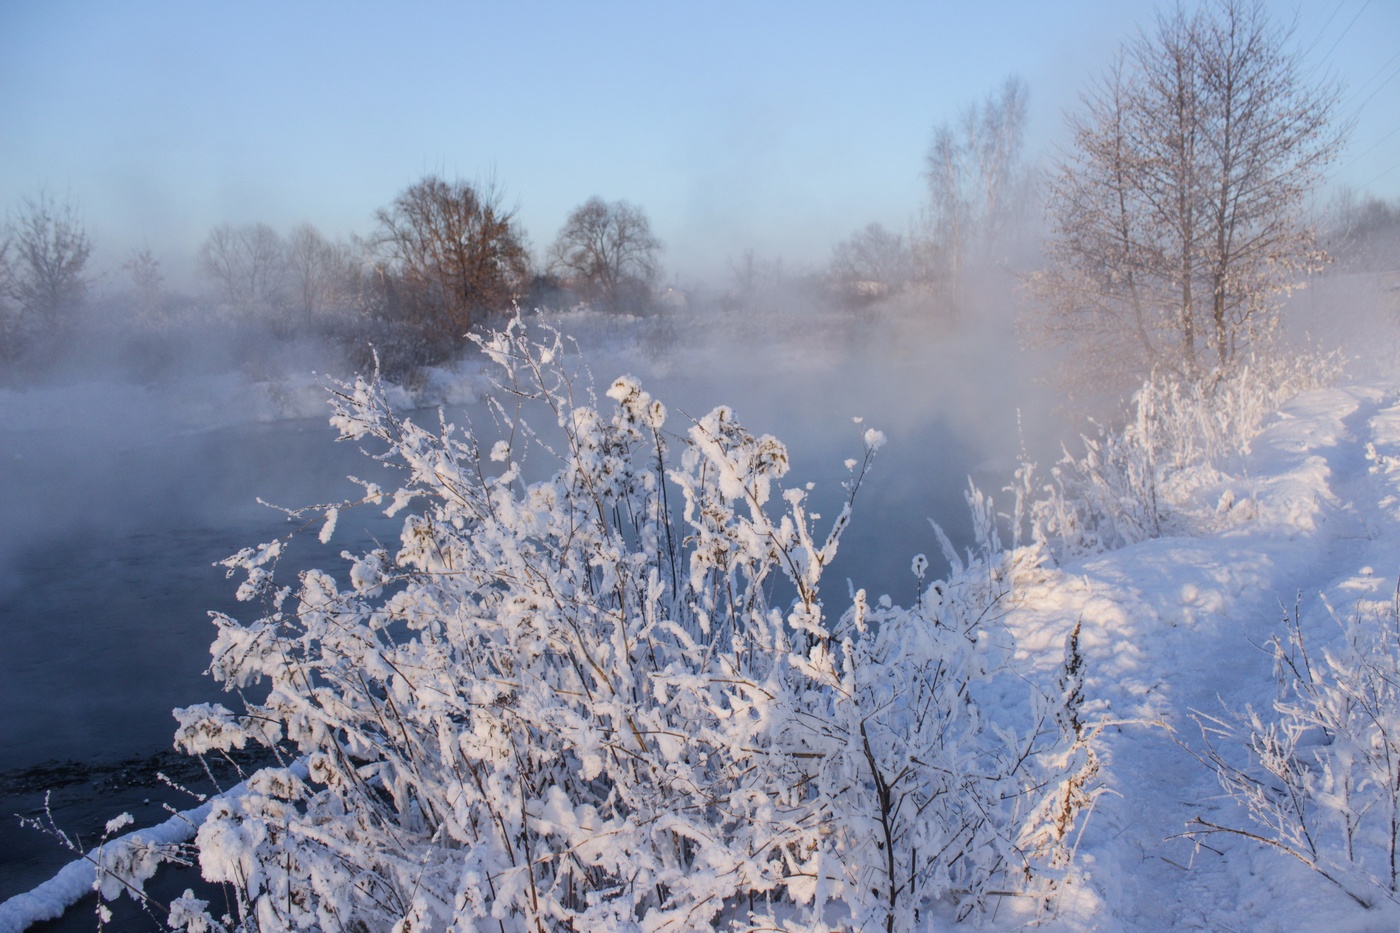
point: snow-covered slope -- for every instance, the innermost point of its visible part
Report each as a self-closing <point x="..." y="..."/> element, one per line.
<point x="1177" y="625"/>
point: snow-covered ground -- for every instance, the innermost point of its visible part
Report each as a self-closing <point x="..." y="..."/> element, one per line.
<point x="1176" y="629"/>
<point x="1178" y="625"/>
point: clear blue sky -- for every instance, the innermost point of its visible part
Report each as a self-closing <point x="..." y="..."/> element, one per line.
<point x="781" y="127"/>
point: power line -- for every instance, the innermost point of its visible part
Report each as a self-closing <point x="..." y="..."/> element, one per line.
<point x="1318" y="38"/>
<point x="1347" y="30"/>
<point x="1379" y="89"/>
<point x="1380" y="176"/>
<point x="1376" y="74"/>
<point x="1359" y="156"/>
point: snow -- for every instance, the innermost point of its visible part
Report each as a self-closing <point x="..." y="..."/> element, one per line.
<point x="49" y="900"/>
<point x="1175" y="625"/>
<point x="1173" y="629"/>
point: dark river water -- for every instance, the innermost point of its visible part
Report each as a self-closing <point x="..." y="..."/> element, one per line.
<point x="116" y="521"/>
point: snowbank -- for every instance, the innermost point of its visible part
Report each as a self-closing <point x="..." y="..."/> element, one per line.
<point x="75" y="880"/>
<point x="1176" y="626"/>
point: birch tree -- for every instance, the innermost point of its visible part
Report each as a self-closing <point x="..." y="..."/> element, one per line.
<point x="974" y="178"/>
<point x="1177" y="216"/>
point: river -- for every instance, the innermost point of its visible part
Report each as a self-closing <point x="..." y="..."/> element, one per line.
<point x="121" y="501"/>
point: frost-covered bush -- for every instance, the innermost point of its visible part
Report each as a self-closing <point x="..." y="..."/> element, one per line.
<point x="1134" y="481"/>
<point x="612" y="698"/>
<point x="1321" y="779"/>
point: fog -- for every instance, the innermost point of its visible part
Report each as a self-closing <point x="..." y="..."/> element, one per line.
<point x="140" y="435"/>
<point x="130" y="469"/>
<point x="136" y="450"/>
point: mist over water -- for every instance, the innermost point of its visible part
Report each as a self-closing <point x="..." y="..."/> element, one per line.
<point x="124" y="485"/>
<point x="122" y="496"/>
<point x="109" y="571"/>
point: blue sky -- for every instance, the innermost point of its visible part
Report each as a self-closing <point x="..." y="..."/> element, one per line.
<point x="780" y="127"/>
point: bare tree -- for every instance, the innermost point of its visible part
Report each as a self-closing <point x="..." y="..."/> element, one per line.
<point x="757" y="283"/>
<point x="248" y="265"/>
<point x="317" y="267"/>
<point x="1107" y="282"/>
<point x="872" y="263"/>
<point x="7" y="269"/>
<point x="1178" y="215"/>
<point x="608" y="253"/>
<point x="9" y="319"/>
<point x="147" y="283"/>
<point x="457" y="252"/>
<point x="976" y="182"/>
<point x="51" y="250"/>
<point x="1269" y="141"/>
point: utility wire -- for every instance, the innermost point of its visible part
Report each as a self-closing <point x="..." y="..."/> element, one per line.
<point x="1367" y="83"/>
<point x="1379" y="89"/>
<point x="1380" y="176"/>
<point x="1347" y="30"/>
<point x="1318" y="38"/>
<point x="1359" y="156"/>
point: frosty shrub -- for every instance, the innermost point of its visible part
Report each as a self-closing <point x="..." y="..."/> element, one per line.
<point x="613" y="698"/>
<point x="1133" y="481"/>
<point x="1321" y="781"/>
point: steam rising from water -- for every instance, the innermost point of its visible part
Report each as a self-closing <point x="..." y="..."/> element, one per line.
<point x="121" y="495"/>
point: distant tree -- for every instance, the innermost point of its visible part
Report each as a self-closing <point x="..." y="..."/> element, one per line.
<point x="608" y="253"/>
<point x="9" y="319"/>
<point x="147" y="283"/>
<point x="457" y="254"/>
<point x="1178" y="216"/>
<point x="872" y="263"/>
<point x="7" y="269"/>
<point x="756" y="283"/>
<point x="976" y="180"/>
<point x="50" y="254"/>
<point x="144" y="269"/>
<point x="317" y="267"/>
<point x="1364" y="233"/>
<point x="248" y="265"/>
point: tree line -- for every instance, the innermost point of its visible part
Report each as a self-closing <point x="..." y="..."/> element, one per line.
<point x="443" y="258"/>
<point x="1176" y="220"/>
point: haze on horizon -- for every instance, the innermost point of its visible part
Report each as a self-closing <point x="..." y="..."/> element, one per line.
<point x="780" y="128"/>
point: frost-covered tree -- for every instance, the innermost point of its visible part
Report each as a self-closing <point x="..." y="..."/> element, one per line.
<point x="607" y="252"/>
<point x="1178" y="216"/>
